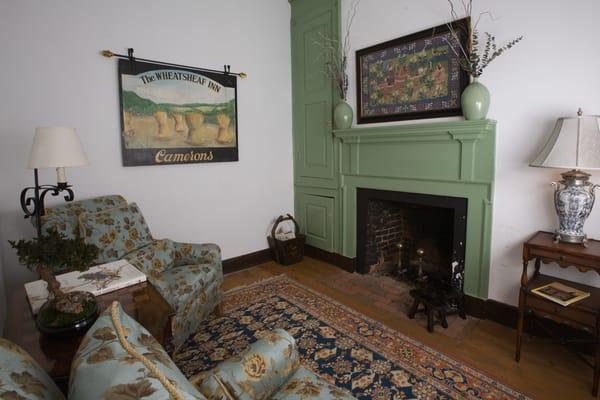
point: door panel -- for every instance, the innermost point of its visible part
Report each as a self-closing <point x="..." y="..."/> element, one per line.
<point x="313" y="97"/>
<point x="317" y="215"/>
<point x="315" y="141"/>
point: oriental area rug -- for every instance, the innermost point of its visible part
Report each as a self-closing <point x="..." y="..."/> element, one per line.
<point x="342" y="346"/>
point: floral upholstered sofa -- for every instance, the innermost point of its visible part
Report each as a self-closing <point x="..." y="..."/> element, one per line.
<point x="22" y="378"/>
<point x="188" y="276"/>
<point x="119" y="359"/>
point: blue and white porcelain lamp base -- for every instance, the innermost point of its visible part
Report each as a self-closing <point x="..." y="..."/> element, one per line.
<point x="573" y="198"/>
<point x="574" y="143"/>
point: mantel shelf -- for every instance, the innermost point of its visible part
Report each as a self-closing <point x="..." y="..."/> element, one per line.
<point x="428" y="128"/>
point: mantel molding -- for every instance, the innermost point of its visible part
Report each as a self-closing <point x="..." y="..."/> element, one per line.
<point x="437" y="131"/>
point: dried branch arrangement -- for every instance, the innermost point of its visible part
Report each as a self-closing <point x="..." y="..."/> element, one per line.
<point x="475" y="58"/>
<point x="336" y="57"/>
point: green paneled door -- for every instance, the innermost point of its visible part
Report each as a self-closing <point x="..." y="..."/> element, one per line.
<point x="314" y="153"/>
<point x="316" y="150"/>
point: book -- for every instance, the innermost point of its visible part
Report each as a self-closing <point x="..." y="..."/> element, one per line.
<point x="98" y="280"/>
<point x="559" y="293"/>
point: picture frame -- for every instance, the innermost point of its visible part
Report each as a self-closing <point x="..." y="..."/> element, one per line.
<point x="412" y="77"/>
<point x="176" y="115"/>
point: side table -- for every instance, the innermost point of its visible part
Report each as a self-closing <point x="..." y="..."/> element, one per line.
<point x="584" y="314"/>
<point x="55" y="353"/>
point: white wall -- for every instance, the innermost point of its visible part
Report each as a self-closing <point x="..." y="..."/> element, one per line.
<point x="51" y="73"/>
<point x="551" y="73"/>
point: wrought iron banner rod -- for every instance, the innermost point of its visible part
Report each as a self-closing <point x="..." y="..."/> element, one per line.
<point x="109" y="54"/>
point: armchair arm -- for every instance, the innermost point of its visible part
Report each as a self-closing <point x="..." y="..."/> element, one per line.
<point x="257" y="373"/>
<point x="195" y="253"/>
<point x="154" y="258"/>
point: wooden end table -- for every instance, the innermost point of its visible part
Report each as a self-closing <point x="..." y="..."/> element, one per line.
<point x="55" y="353"/>
<point x="584" y="314"/>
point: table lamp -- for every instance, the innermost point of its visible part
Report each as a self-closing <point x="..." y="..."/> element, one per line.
<point x="574" y="144"/>
<point x="53" y="147"/>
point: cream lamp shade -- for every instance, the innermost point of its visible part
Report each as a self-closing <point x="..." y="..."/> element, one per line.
<point x="574" y="144"/>
<point x="56" y="147"/>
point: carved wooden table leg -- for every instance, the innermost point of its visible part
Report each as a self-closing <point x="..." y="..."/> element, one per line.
<point x="521" y="310"/>
<point x="596" y="364"/>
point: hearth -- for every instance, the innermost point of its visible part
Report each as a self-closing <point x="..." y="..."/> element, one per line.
<point x="411" y="236"/>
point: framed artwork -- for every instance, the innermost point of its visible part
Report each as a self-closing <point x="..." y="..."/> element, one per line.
<point x="412" y="77"/>
<point x="175" y="115"/>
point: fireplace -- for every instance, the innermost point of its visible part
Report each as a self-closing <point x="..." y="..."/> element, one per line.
<point x="401" y="233"/>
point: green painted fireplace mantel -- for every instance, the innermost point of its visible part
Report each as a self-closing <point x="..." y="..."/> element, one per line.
<point x="453" y="158"/>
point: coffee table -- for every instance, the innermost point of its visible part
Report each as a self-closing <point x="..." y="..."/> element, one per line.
<point x="55" y="353"/>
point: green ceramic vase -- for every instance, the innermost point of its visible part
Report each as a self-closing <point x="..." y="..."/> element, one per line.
<point x="342" y="115"/>
<point x="475" y="101"/>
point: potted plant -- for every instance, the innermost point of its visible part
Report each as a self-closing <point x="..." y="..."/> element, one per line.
<point x="475" y="99"/>
<point x="49" y="255"/>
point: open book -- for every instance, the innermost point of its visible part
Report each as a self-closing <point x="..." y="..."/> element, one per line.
<point x="97" y="280"/>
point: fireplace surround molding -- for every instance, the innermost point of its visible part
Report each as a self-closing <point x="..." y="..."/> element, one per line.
<point x="454" y="158"/>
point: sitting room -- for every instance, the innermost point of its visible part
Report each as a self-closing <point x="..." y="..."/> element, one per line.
<point x="302" y="199"/>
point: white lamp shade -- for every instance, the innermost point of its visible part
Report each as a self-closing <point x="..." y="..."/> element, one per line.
<point x="55" y="147"/>
<point x="574" y="144"/>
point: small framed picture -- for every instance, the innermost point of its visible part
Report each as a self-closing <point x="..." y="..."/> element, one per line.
<point x="412" y="77"/>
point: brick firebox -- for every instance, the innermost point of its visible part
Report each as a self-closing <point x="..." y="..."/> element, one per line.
<point x="435" y="224"/>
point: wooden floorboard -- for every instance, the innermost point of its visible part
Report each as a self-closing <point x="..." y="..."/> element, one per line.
<point x="546" y="370"/>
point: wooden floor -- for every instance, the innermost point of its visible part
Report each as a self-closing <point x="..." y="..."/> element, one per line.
<point x="546" y="370"/>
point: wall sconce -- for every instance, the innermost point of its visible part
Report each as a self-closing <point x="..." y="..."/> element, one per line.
<point x="53" y="147"/>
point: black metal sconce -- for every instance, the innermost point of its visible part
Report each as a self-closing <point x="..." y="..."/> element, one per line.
<point x="53" y="147"/>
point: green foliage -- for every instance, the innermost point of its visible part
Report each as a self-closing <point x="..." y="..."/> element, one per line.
<point x="474" y="58"/>
<point x="54" y="251"/>
<point x="138" y="105"/>
<point x="479" y="58"/>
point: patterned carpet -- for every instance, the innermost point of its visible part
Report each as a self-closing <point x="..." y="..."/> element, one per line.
<point x="339" y="344"/>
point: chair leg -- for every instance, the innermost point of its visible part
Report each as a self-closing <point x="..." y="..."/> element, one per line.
<point x="430" y="319"/>
<point x="413" y="309"/>
<point x="461" y="308"/>
<point x="219" y="312"/>
<point x="443" y="319"/>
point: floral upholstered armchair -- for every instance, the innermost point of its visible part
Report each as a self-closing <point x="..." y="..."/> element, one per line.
<point x="188" y="276"/>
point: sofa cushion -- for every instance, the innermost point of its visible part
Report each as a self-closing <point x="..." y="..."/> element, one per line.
<point x="304" y="385"/>
<point x="116" y="231"/>
<point x="257" y="374"/>
<point x="22" y="378"/>
<point x="119" y="359"/>
<point x="65" y="218"/>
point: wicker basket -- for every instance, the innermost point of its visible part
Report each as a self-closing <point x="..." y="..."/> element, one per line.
<point x="287" y="252"/>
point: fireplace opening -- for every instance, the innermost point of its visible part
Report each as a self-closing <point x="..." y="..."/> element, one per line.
<point x="408" y="235"/>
